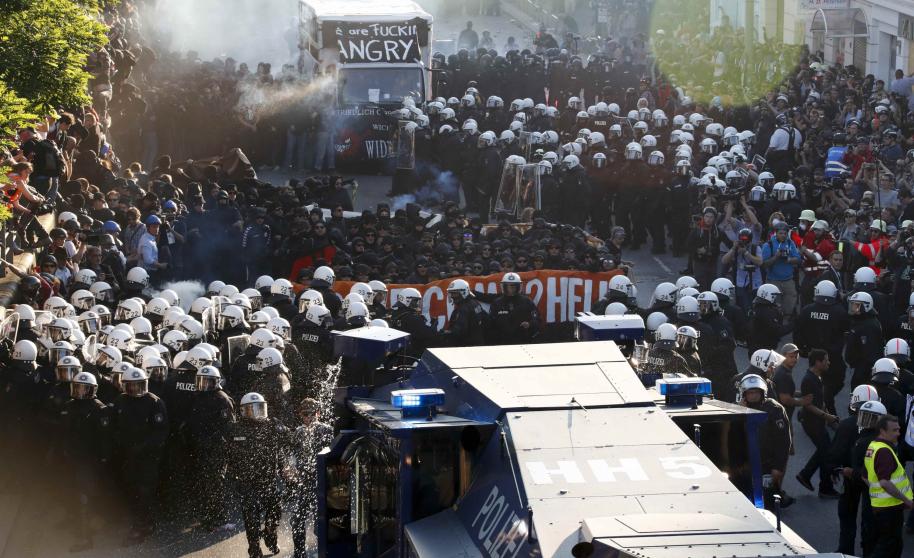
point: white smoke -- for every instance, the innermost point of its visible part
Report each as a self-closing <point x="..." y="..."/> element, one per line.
<point x="248" y="31"/>
<point x="188" y="291"/>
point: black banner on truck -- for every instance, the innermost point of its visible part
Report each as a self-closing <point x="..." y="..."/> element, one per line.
<point x="377" y="42"/>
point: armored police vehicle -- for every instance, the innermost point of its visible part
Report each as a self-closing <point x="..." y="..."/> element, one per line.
<point x="543" y="450"/>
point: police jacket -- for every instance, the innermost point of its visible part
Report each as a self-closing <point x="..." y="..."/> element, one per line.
<point x="180" y="392"/>
<point x="421" y="335"/>
<point x="864" y="438"/>
<point x="693" y="361"/>
<point x="774" y="436"/>
<point x="507" y="315"/>
<point x="842" y="446"/>
<point x="140" y="424"/>
<point x="718" y="347"/>
<point x="257" y="452"/>
<point x="332" y="301"/>
<point x="468" y="324"/>
<point x="212" y="415"/>
<point x="765" y="327"/>
<point x="665" y="359"/>
<point x="865" y="342"/>
<point x="737" y="318"/>
<point x="490" y="169"/>
<point x="821" y="326"/>
<point x="903" y="328"/>
<point x="240" y="378"/>
<point x="378" y="311"/>
<point x="88" y="431"/>
<point x="894" y="401"/>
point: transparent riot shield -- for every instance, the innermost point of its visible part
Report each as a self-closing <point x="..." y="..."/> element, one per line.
<point x="525" y="144"/>
<point x="236" y="346"/>
<point x="208" y="318"/>
<point x="9" y="328"/>
<point x="90" y="349"/>
<point x="529" y="189"/>
<point x="406" y="145"/>
<point x="506" y="201"/>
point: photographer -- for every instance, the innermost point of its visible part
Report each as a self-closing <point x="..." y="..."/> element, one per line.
<point x="745" y="259"/>
<point x="781" y="260"/>
<point x="704" y="247"/>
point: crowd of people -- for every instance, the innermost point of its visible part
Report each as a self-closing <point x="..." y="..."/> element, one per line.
<point x="794" y="213"/>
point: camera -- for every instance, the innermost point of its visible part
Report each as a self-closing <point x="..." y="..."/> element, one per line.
<point x="782" y="252"/>
<point x="749" y="267"/>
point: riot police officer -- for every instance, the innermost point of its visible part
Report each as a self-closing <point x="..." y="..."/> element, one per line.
<point x="864" y="339"/>
<point x="822" y="325"/>
<point x="243" y="370"/>
<point x="315" y="344"/>
<point x="256" y="457"/>
<point x="664" y="357"/>
<point x="515" y="318"/>
<point x="620" y="289"/>
<point x="664" y="300"/>
<point x="469" y="321"/>
<point x="208" y="427"/>
<point x="883" y="377"/>
<point x="765" y="329"/>
<point x="140" y="431"/>
<point x="86" y="450"/>
<point x="687" y="346"/>
<point x="774" y="435"/>
<point x="726" y="299"/>
<point x="840" y="457"/>
<point x="407" y="316"/>
<point x="719" y="364"/>
<point x="865" y="281"/>
<point x="322" y="281"/>
<point x="272" y="381"/>
<point x="282" y="297"/>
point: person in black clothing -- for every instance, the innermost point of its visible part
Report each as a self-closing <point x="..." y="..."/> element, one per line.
<point x="823" y="325"/>
<point x="868" y="415"/>
<point x="468" y="322"/>
<point x="515" y="318"/>
<point x="815" y="420"/>
<point x="309" y="438"/>
<point x="407" y="316"/>
<point x="840" y="457"/>
<point x="765" y="329"/>
<point x="140" y="431"/>
<point x="257" y="445"/>
<point x="315" y="344"/>
<point x="86" y="450"/>
<point x="774" y="436"/>
<point x="322" y="282"/>
<point x="884" y="378"/>
<point x="865" y="341"/>
<point x="784" y="384"/>
<point x="663" y="356"/>
<point x="212" y="415"/>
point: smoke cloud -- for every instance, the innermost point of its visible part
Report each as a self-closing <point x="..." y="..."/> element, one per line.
<point x="251" y="32"/>
<point x="188" y="291"/>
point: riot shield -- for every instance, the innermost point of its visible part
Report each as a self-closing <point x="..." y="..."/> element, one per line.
<point x="90" y="349"/>
<point x="507" y="199"/>
<point x="9" y="328"/>
<point x="208" y="318"/>
<point x="525" y="144"/>
<point x="406" y="145"/>
<point x="236" y="346"/>
<point x="529" y="188"/>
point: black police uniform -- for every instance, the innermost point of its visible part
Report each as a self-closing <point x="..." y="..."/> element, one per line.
<point x="315" y="345"/>
<point x="86" y="450"/>
<point x="858" y="454"/>
<point x="241" y="376"/>
<point x="823" y="326"/>
<point x="507" y="315"/>
<point x="421" y="334"/>
<point x="332" y="301"/>
<point x="841" y="456"/>
<point x="140" y="432"/>
<point x="864" y="346"/>
<point x="765" y="329"/>
<point x="468" y="324"/>
<point x="663" y="358"/>
<point x="774" y="438"/>
<point x="717" y="351"/>
<point x="257" y="451"/>
<point x="208" y="427"/>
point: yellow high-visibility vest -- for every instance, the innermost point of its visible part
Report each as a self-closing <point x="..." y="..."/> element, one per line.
<point x="879" y="498"/>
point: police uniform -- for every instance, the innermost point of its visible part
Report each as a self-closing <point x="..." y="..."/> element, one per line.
<point x="208" y="427"/>
<point x="468" y="324"/>
<point x="765" y="327"/>
<point x="823" y="326"/>
<point x="421" y="335"/>
<point x="864" y="346"/>
<point x="256" y="457"/>
<point x="508" y="313"/>
<point x="841" y="457"/>
<point x="140" y="432"/>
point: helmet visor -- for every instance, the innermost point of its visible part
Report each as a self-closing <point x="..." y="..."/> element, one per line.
<point x="90" y="325"/>
<point x="58" y="333"/>
<point x="255" y="411"/>
<point x="136" y="388"/>
<point x="207" y="383"/>
<point x="157" y="373"/>
<point x="865" y="419"/>
<point x="65" y="373"/>
<point x="55" y="354"/>
<point x="82" y="391"/>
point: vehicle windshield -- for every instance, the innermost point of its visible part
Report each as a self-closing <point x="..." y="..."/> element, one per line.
<point x="382" y="85"/>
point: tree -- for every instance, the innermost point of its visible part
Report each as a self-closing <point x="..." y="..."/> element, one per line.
<point x="14" y="113"/>
<point x="44" y="45"/>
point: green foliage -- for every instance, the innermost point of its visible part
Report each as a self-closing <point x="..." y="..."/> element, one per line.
<point x="44" y="45"/>
<point x="14" y="114"/>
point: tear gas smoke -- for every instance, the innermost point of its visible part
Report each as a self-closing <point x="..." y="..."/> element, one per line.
<point x="444" y="187"/>
<point x="188" y="291"/>
<point x="250" y="32"/>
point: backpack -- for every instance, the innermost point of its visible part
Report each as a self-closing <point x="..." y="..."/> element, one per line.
<point x="51" y="158"/>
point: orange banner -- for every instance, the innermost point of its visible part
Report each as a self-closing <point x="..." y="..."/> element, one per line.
<point x="559" y="295"/>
